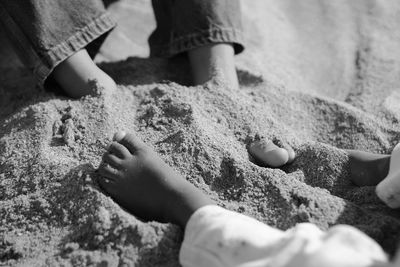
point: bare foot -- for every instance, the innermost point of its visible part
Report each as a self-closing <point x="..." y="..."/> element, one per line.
<point x="267" y="154"/>
<point x="76" y="75"/>
<point x="367" y="169"/>
<point x="141" y="182"/>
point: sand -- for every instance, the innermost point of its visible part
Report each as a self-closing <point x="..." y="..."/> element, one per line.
<point x="322" y="76"/>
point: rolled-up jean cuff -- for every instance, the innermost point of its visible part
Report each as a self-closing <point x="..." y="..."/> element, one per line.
<point x="80" y="39"/>
<point x="197" y="39"/>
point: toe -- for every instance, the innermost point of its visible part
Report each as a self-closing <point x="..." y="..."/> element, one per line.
<point x="105" y="183"/>
<point x="108" y="171"/>
<point x="118" y="150"/>
<point x="112" y="160"/>
<point x="290" y="151"/>
<point x="268" y="154"/>
<point x="132" y="143"/>
<point x="119" y="135"/>
<point x="292" y="155"/>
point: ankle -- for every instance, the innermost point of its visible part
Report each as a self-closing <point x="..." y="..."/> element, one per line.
<point x="214" y="62"/>
<point x="76" y="74"/>
<point x="184" y="200"/>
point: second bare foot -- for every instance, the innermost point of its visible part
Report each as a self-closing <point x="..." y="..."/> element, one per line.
<point x="267" y="154"/>
<point x="141" y="182"/>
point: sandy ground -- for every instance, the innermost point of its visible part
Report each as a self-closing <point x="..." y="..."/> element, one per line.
<point x="320" y="75"/>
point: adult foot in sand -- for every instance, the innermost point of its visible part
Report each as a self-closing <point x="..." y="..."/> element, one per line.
<point x="141" y="182"/>
<point x="76" y="75"/>
<point x="216" y="62"/>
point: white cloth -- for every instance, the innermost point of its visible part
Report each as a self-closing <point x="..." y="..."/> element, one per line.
<point x="216" y="237"/>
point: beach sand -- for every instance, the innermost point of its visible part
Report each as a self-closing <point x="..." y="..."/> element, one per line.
<point x="322" y="76"/>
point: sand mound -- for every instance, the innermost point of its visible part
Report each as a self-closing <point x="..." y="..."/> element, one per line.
<point x="52" y="211"/>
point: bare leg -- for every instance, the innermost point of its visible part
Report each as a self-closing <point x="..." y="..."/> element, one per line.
<point x="367" y="169"/>
<point x="75" y="74"/>
<point x="388" y="190"/>
<point x="140" y="181"/>
<point x="214" y="61"/>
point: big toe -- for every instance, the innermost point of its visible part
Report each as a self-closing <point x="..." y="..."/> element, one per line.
<point x="290" y="151"/>
<point x="118" y="136"/>
<point x="130" y="141"/>
<point x="270" y="155"/>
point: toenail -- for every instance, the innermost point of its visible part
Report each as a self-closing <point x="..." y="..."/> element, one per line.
<point x="119" y="135"/>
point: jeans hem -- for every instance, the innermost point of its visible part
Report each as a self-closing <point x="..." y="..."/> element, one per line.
<point x="198" y="39"/>
<point x="73" y="44"/>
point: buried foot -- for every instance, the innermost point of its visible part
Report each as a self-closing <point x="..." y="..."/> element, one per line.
<point x="267" y="154"/>
<point x="141" y="182"/>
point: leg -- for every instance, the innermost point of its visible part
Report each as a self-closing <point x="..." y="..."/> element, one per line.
<point x="367" y="169"/>
<point x="75" y="74"/>
<point x="214" y="61"/>
<point x="51" y="37"/>
<point x="140" y="181"/>
<point x="388" y="190"/>
<point x="210" y="32"/>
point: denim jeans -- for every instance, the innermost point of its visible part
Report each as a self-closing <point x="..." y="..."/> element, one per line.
<point x="183" y="25"/>
<point x="46" y="32"/>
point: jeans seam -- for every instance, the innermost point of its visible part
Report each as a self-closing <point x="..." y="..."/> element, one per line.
<point x="213" y="29"/>
<point x="190" y="41"/>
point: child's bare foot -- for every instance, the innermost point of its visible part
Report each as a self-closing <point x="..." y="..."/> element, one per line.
<point x="76" y="73"/>
<point x="267" y="154"/>
<point x="367" y="169"/>
<point x="389" y="189"/>
<point x="140" y="181"/>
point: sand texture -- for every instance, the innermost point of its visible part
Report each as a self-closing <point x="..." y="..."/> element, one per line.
<point x="322" y="76"/>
